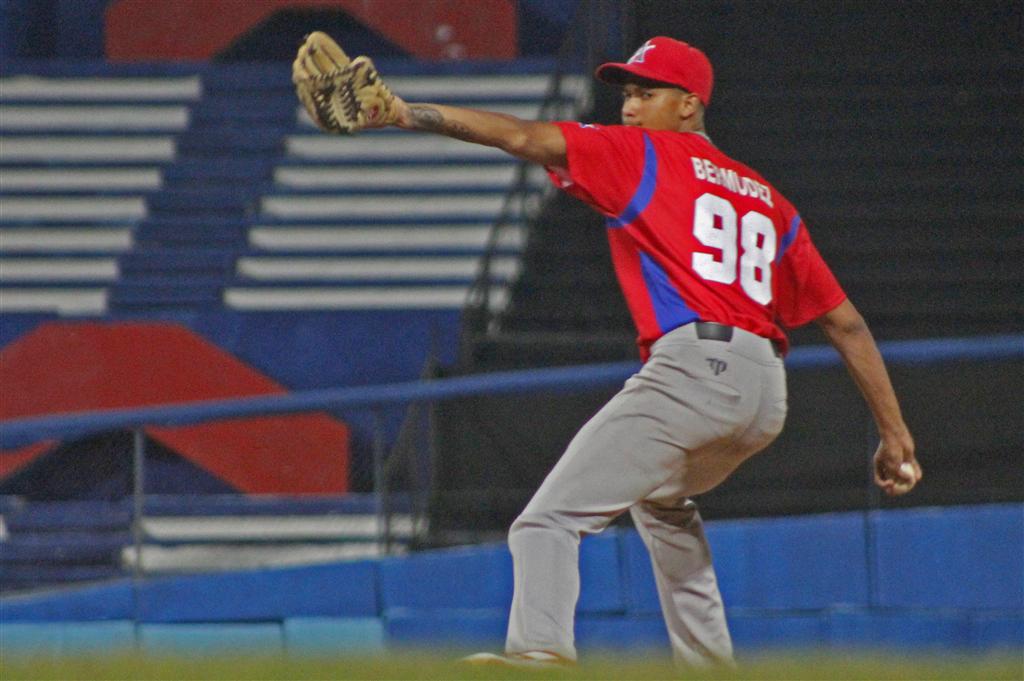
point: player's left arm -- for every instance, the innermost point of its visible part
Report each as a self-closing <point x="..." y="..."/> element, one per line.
<point x="343" y="95"/>
<point x="849" y="334"/>
<point x="536" y="141"/>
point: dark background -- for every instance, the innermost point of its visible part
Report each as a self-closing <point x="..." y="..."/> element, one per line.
<point x="896" y="130"/>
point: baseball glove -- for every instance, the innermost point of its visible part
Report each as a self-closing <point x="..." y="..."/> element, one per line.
<point x="342" y="95"/>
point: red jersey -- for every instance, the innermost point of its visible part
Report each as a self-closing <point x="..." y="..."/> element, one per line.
<point x="695" y="235"/>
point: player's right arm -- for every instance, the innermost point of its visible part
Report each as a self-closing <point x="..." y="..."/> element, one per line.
<point x="536" y="141"/>
<point x="849" y="334"/>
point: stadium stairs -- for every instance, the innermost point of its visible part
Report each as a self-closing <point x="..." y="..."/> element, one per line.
<point x="172" y="191"/>
<point x="44" y="544"/>
<point x="132" y="191"/>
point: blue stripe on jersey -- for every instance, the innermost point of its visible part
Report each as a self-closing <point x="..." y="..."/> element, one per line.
<point x="789" y="237"/>
<point x="670" y="310"/>
<point x="644" y="192"/>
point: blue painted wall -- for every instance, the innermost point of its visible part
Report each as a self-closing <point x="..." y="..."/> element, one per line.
<point x="949" y="579"/>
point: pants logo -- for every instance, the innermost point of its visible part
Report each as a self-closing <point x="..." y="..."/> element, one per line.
<point x="717" y="365"/>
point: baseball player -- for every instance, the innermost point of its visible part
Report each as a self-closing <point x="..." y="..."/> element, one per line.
<point x="713" y="262"/>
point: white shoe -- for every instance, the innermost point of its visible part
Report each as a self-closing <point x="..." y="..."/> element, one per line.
<point x="536" y="659"/>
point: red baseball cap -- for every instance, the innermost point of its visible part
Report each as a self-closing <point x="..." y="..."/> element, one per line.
<point x="665" y="60"/>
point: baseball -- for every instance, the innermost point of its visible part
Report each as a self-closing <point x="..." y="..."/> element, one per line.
<point x="906" y="478"/>
<point x="907" y="472"/>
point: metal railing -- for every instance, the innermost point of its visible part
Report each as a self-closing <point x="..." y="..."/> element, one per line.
<point x="594" y="36"/>
<point x="417" y="463"/>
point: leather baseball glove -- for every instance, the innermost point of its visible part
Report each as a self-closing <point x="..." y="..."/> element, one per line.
<point x="342" y="95"/>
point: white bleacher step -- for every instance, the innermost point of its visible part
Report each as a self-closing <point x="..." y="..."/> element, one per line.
<point x="260" y="528"/>
<point x="356" y="269"/>
<point x="33" y="88"/>
<point x="79" y="179"/>
<point x="491" y="86"/>
<point x="28" y="208"/>
<point x="188" y="543"/>
<point x="396" y="238"/>
<point x="76" y="118"/>
<point x="382" y="146"/>
<point x="382" y="207"/>
<point x="57" y="269"/>
<point x="63" y="301"/>
<point x="355" y="297"/>
<point x="376" y="176"/>
<point x="67" y="238"/>
<point x="110" y="148"/>
<point x="212" y="557"/>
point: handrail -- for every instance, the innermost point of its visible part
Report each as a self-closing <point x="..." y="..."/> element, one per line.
<point x="15" y="433"/>
<point x="580" y="44"/>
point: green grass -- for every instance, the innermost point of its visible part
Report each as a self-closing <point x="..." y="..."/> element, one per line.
<point x="405" y="667"/>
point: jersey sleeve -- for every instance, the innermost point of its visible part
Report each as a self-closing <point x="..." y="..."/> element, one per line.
<point x="805" y="286"/>
<point x="605" y="165"/>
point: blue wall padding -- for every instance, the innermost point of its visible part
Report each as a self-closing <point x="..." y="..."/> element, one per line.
<point x="112" y="601"/>
<point x="66" y="638"/>
<point x="791" y="563"/>
<point x="84" y="637"/>
<point x="997" y="630"/>
<point x="629" y="632"/>
<point x="787" y="582"/>
<point x="333" y="635"/>
<point x="32" y="638"/>
<point x="601" y="588"/>
<point x="454" y="628"/>
<point x="210" y="639"/>
<point x="880" y="629"/>
<point x="339" y="589"/>
<point x="753" y="630"/>
<point x="811" y="562"/>
<point x="936" y="558"/>
<point x="470" y="578"/>
<point x="640" y="593"/>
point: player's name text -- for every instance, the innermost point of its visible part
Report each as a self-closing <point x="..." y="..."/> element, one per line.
<point x="731" y="180"/>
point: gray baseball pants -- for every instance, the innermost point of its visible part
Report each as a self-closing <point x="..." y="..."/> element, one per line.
<point x="693" y="413"/>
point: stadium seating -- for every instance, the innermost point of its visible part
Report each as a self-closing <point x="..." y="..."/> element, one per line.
<point x="48" y="544"/>
<point x="201" y="194"/>
<point x="134" y="193"/>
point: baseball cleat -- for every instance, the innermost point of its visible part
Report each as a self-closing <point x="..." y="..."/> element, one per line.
<point x="536" y="660"/>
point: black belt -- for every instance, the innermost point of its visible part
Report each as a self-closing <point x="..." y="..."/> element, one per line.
<point x="721" y="332"/>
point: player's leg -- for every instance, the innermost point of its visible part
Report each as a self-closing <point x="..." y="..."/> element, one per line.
<point x="630" y="448"/>
<point x="671" y="526"/>
<point x="686" y="583"/>
<point x="590" y="485"/>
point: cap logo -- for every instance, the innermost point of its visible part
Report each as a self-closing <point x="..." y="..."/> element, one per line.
<point x="638" y="56"/>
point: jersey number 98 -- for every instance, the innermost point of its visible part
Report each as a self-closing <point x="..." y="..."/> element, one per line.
<point x="715" y="226"/>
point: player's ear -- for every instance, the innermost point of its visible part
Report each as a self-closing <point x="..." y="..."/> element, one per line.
<point x="689" y="106"/>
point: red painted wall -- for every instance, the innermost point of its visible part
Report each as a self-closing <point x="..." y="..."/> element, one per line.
<point x="139" y="30"/>
<point x="65" y="367"/>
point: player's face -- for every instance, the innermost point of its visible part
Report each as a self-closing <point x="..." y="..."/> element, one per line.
<point x="657" y="108"/>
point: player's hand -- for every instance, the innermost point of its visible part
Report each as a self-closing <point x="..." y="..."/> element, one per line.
<point x="896" y="469"/>
<point x="341" y="95"/>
